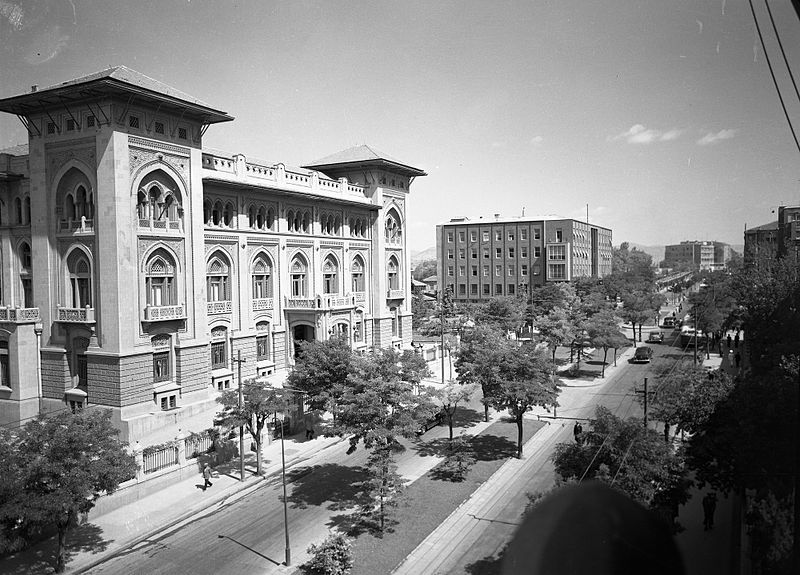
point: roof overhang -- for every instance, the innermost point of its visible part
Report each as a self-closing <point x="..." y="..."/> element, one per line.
<point x="378" y="163"/>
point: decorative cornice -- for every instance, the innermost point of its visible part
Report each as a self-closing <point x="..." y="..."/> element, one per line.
<point x="138" y="142"/>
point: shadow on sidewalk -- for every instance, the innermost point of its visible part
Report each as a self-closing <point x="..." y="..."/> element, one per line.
<point x="253" y="551"/>
<point x="331" y="483"/>
<point x="41" y="557"/>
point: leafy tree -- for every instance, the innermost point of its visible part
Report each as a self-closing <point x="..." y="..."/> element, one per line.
<point x="383" y="485"/>
<point x="548" y="297"/>
<point x="506" y="314"/>
<point x="450" y="396"/>
<point x="334" y="556"/>
<point x="638" y="307"/>
<point x="422" y="308"/>
<point x="556" y="328"/>
<point x="631" y="268"/>
<point x="476" y="363"/>
<point x="459" y="458"/>
<point x="627" y="455"/>
<point x="259" y="403"/>
<point x="413" y="367"/>
<point x="321" y="371"/>
<point x="603" y="331"/>
<point x="424" y="269"/>
<point x="59" y="465"/>
<point x="525" y="380"/>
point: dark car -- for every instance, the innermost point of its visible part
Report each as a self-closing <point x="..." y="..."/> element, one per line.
<point x="655" y="337"/>
<point x="431" y="422"/>
<point x="642" y="355"/>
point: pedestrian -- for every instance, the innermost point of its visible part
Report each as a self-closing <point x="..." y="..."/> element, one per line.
<point x="310" y="432"/>
<point x="736" y="340"/>
<point x="729" y="341"/>
<point x="709" y="506"/>
<point x="738" y="358"/>
<point x="206" y="477"/>
<point x="577" y="430"/>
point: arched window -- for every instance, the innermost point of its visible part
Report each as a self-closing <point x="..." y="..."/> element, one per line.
<point x="262" y="277"/>
<point x="299" y="279"/>
<point x="263" y="347"/>
<point x="69" y="207"/>
<point x="18" y="209"/>
<point x="270" y="218"/>
<point x="218" y="280"/>
<point x="290" y="221"/>
<point x="394" y="233"/>
<point x="251" y="217"/>
<point x="392" y="274"/>
<point x="357" y="274"/>
<point x="340" y="330"/>
<point x="261" y="217"/>
<point x="330" y="276"/>
<point x="306" y="222"/>
<point x="80" y="279"/>
<point x="160" y="280"/>
<point x="207" y="212"/>
<point x="26" y="274"/>
<point x="27" y="209"/>
<point x="227" y="215"/>
<point x="216" y="213"/>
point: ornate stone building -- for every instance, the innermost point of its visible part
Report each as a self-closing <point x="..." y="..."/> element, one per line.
<point x="137" y="266"/>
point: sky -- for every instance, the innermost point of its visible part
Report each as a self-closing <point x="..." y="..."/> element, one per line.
<point x="660" y="115"/>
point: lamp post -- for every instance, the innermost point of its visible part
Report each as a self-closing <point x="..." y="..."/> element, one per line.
<point x="288" y="560"/>
<point x="239" y="361"/>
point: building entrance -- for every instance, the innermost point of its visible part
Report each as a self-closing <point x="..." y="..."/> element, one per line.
<point x="301" y="333"/>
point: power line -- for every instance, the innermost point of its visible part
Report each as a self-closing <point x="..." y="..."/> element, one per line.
<point x="783" y="53"/>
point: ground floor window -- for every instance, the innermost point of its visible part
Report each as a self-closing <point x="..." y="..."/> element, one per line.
<point x="75" y="406"/>
<point x="218" y="357"/>
<point x="161" y="366"/>
<point x="169" y="402"/>
<point x="262" y="347"/>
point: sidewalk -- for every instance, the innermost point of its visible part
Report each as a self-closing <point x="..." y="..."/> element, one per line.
<point x="105" y="535"/>
<point x="465" y="526"/>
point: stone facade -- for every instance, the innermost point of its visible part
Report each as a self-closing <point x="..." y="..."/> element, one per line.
<point x="140" y="264"/>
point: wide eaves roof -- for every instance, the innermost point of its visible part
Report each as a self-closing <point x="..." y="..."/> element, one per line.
<point x="115" y="81"/>
<point x="360" y="157"/>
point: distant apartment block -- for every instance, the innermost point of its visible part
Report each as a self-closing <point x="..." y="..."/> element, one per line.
<point x="775" y="239"/>
<point x="489" y="257"/>
<point x="701" y="255"/>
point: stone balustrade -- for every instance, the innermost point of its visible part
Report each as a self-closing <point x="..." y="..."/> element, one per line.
<point x="75" y="314"/>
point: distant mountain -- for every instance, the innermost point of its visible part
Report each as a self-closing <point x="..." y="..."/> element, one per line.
<point x="426" y="254"/>
<point x="655" y="252"/>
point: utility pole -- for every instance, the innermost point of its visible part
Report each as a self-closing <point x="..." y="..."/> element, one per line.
<point x="441" y="328"/>
<point x="645" y="394"/>
<point x="239" y="361"/>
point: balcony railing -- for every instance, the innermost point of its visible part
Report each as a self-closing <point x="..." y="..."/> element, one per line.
<point x="395" y="294"/>
<point x="215" y="307"/>
<point x="75" y="314"/>
<point x="263" y="303"/>
<point x="300" y="302"/>
<point x="81" y="225"/>
<point x="321" y="302"/>
<point x="160" y="225"/>
<point x="359" y="297"/>
<point x="164" y="312"/>
<point x="19" y="314"/>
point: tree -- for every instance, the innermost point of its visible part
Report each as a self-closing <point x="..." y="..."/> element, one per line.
<point x="627" y="455"/>
<point x="259" y="403"/>
<point x="476" y="363"/>
<point x="424" y="269"/>
<point x="546" y="298"/>
<point x="334" y="556"/>
<point x="449" y="397"/>
<point x="382" y="486"/>
<point x="638" y="307"/>
<point x="506" y="314"/>
<point x="321" y="372"/>
<point x="525" y="380"/>
<point x="555" y="328"/>
<point x="422" y="308"/>
<point x="60" y="465"/>
<point x="603" y="331"/>
<point x="413" y="367"/>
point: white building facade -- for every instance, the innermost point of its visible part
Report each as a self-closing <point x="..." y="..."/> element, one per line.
<point x="138" y="267"/>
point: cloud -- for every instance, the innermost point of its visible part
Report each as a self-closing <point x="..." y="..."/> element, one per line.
<point x="536" y="140"/>
<point x="638" y="134"/>
<point x="712" y="138"/>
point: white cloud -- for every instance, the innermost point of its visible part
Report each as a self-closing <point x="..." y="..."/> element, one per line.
<point x="638" y="134"/>
<point x="536" y="140"/>
<point x="712" y="138"/>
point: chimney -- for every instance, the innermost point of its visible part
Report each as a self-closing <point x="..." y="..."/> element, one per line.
<point x="497" y="216"/>
<point x="34" y="88"/>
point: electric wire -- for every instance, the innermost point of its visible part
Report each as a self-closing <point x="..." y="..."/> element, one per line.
<point x="783" y="52"/>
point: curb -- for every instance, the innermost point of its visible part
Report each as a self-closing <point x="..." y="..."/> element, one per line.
<point x="240" y="489"/>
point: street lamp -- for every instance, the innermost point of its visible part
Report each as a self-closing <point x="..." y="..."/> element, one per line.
<point x="288" y="560"/>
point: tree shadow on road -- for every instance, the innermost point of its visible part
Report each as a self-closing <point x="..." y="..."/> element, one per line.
<point x="466" y="417"/>
<point x="336" y="486"/>
<point x="41" y="558"/>
<point x="493" y="447"/>
<point x="491" y="565"/>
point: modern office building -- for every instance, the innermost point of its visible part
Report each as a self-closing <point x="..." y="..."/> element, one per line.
<point x="138" y="266"/>
<point x="779" y="238"/>
<point x="489" y="257"/>
<point x="699" y="255"/>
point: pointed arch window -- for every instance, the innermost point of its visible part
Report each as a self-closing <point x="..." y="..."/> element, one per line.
<point x="5" y="372"/>
<point x="394" y="233"/>
<point x="330" y="276"/>
<point x="160" y="280"/>
<point x="299" y="277"/>
<point x="392" y="274"/>
<point x="262" y="341"/>
<point x="218" y="280"/>
<point x="18" y="209"/>
<point x="80" y="279"/>
<point x="357" y="274"/>
<point x="27" y="209"/>
<point x="26" y="274"/>
<point x="262" y="278"/>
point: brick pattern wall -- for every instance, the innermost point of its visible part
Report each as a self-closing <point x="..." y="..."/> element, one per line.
<point x="279" y="349"/>
<point x="247" y="345"/>
<point x="405" y="329"/>
<point x="193" y="368"/>
<point x="55" y="374"/>
<point x="383" y="332"/>
<point x="136" y="379"/>
<point x="103" y="376"/>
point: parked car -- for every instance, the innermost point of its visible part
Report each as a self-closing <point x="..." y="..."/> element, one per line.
<point x="669" y="321"/>
<point x="642" y="355"/>
<point x="437" y="419"/>
<point x="655" y="337"/>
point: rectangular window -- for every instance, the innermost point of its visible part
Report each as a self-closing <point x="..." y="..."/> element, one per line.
<point x="462" y="271"/>
<point x="164" y="404"/>
<point x="523" y="253"/>
<point x="511" y="252"/>
<point x="473" y="236"/>
<point x="486" y="288"/>
<point x="498" y="235"/>
<point x="486" y="253"/>
<point x="498" y="270"/>
<point x="537" y="234"/>
<point x="159" y="128"/>
<point x="474" y="271"/>
<point x="511" y="271"/>
<point x="486" y="271"/>
<point x="133" y="121"/>
<point x="161" y="366"/>
<point x="51" y="128"/>
<point x="173" y="401"/>
<point x="5" y="373"/>
<point x="498" y="289"/>
<point x="462" y="289"/>
<point x="262" y="347"/>
<point x="557" y="253"/>
<point x="486" y="235"/>
<point x="90" y="121"/>
<point x="511" y="236"/>
<point x="473" y="289"/>
<point x="83" y="370"/>
<point x="462" y="236"/>
<point x="182" y="133"/>
<point x="523" y="234"/>
<point x="537" y="270"/>
<point x="462" y="253"/>
<point x="559" y="237"/>
<point x="537" y="251"/>
<point x="450" y="271"/>
<point x="450" y="254"/>
<point x="511" y="289"/>
<point x="70" y="124"/>
<point x="498" y="252"/>
<point x="218" y="358"/>
<point x="557" y="271"/>
<point x="473" y="254"/>
<point x="450" y="237"/>
<point x="524" y="269"/>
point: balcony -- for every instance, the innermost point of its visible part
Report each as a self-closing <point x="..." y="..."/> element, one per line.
<point x="76" y="226"/>
<point x="164" y="312"/>
<point x="360" y="297"/>
<point x="263" y="304"/>
<point x="217" y="307"/>
<point x="320" y="302"/>
<point x="395" y="294"/>
<point x="75" y="314"/>
<point x="160" y="226"/>
<point x="19" y="314"/>
<point x="299" y="302"/>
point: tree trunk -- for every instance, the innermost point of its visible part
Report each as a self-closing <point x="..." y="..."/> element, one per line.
<point x="61" y="563"/>
<point x="605" y="355"/>
<point x="640" y="332"/>
<point x="633" y="329"/>
<point x="554" y="355"/>
<point x="519" y="436"/>
<point x="615" y="357"/>
<point x="259" y="460"/>
<point x="666" y="433"/>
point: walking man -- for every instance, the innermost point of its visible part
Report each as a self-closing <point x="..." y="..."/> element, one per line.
<point x="577" y="430"/>
<point x="206" y="477"/>
<point x="736" y="340"/>
<point x="709" y="506"/>
<point x="729" y="341"/>
<point x="738" y="358"/>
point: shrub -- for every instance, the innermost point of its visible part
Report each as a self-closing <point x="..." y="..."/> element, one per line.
<point x="334" y="556"/>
